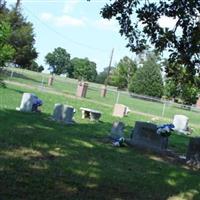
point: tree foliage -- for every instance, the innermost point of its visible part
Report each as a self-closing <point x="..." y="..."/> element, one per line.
<point x="123" y="73"/>
<point x="6" y="51"/>
<point x="148" y="79"/>
<point x="139" y="23"/>
<point x="22" y="37"/>
<point x="35" y="67"/>
<point x="84" y="69"/>
<point x="179" y="89"/>
<point x="59" y="62"/>
<point x="102" y="76"/>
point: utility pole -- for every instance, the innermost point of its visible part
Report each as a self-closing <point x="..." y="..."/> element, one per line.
<point x="17" y="4"/>
<point x="109" y="67"/>
<point x="104" y="88"/>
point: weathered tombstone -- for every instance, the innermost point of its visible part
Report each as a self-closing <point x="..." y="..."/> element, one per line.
<point x="117" y="130"/>
<point x="119" y="110"/>
<point x="57" y="113"/>
<point x="144" y="135"/>
<point x="180" y="123"/>
<point x="103" y="91"/>
<point x="50" y="81"/>
<point x="67" y="114"/>
<point x="26" y="102"/>
<point x="198" y="103"/>
<point x="193" y="152"/>
<point x="82" y="89"/>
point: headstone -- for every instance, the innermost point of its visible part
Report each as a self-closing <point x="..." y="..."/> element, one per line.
<point x="119" y="110"/>
<point x="82" y="89"/>
<point x="193" y="152"/>
<point x="103" y="91"/>
<point x="117" y="130"/>
<point x="198" y="103"/>
<point x="144" y="135"/>
<point x="57" y="113"/>
<point x="181" y="123"/>
<point x="50" y="81"/>
<point x="26" y="102"/>
<point x="67" y="114"/>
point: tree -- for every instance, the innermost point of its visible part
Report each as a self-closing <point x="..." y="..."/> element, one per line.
<point x="139" y="23"/>
<point x="179" y="89"/>
<point x="102" y="76"/>
<point x="148" y="79"/>
<point x="6" y="51"/>
<point x="84" y="69"/>
<point x="35" y="67"/>
<point x="59" y="62"/>
<point x="123" y="73"/>
<point x="21" y="37"/>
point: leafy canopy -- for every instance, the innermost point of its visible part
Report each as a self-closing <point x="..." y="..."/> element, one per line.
<point x="6" y="51"/>
<point x="123" y="72"/>
<point x="139" y="23"/>
<point x="21" y="38"/>
<point x="148" y="79"/>
<point x="59" y="61"/>
<point x="84" y="69"/>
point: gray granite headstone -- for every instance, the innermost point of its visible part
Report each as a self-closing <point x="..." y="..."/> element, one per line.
<point x="144" y="135"/>
<point x="67" y="114"/>
<point x="117" y="130"/>
<point x="57" y="113"/>
<point x="193" y="152"/>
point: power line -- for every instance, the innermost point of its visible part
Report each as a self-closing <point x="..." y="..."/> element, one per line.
<point x="63" y="36"/>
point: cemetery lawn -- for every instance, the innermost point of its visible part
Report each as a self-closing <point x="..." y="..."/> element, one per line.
<point x="42" y="159"/>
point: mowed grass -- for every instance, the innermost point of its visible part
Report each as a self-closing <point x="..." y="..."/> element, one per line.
<point x="69" y="86"/>
<point x="42" y="159"/>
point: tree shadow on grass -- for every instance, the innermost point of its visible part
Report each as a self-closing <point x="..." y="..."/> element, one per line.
<point x="42" y="159"/>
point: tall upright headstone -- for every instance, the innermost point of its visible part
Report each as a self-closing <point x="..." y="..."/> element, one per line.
<point x="103" y="91"/>
<point x="57" y="113"/>
<point x="26" y="102"/>
<point x="67" y="114"/>
<point x="50" y="81"/>
<point x="82" y="89"/>
<point x="198" y="103"/>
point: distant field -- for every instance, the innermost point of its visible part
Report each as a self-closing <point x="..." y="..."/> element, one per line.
<point x="69" y="86"/>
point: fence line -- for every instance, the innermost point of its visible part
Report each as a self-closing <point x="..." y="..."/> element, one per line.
<point x="136" y="102"/>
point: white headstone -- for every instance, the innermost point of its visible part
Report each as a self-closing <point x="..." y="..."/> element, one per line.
<point x="26" y="102"/>
<point x="180" y="122"/>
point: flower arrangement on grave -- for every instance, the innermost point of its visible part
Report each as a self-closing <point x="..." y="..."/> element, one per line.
<point x="165" y="130"/>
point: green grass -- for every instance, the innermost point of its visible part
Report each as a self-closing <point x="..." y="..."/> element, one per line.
<point x="42" y="159"/>
<point x="68" y="86"/>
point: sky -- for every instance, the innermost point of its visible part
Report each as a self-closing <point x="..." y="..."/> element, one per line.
<point x="77" y="26"/>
